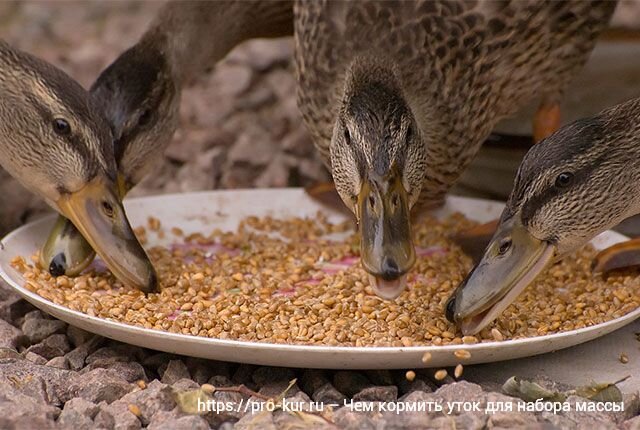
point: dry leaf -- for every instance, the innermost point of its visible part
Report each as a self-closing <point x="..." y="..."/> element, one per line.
<point x="530" y="391"/>
<point x="602" y="392"/>
<point x="188" y="401"/>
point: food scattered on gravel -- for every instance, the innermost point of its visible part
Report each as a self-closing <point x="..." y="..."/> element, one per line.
<point x="410" y="375"/>
<point x="624" y="358"/>
<point x="300" y="281"/>
<point x="440" y="374"/>
<point x="458" y="371"/>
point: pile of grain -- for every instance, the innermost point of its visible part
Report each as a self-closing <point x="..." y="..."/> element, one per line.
<point x="286" y="282"/>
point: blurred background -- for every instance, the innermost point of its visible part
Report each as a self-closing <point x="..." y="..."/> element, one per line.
<point x="240" y="126"/>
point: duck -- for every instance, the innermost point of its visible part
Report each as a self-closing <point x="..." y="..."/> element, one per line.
<point x="56" y="143"/>
<point x="139" y="94"/>
<point x="398" y="98"/>
<point x="572" y="186"/>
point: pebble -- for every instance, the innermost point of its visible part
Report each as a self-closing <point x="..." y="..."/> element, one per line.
<point x="10" y="336"/>
<point x="168" y="421"/>
<point x="39" y="329"/>
<point x="328" y="394"/>
<point x="377" y="394"/>
<point x="349" y="382"/>
<point x="78" y="413"/>
<point x="157" y="397"/>
<point x="99" y="385"/>
<point x="54" y="346"/>
<point x="175" y="370"/>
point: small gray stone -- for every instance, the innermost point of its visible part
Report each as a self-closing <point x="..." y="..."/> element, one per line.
<point x="510" y="420"/>
<point x="165" y="420"/>
<point x="10" y="336"/>
<point x="54" y="346"/>
<point x="131" y="371"/>
<point x="35" y="314"/>
<point x="117" y="416"/>
<point x="224" y="397"/>
<point x="38" y="329"/>
<point x="99" y="385"/>
<point x="176" y="370"/>
<point x="48" y="385"/>
<point x="78" y="356"/>
<point x="201" y="370"/>
<point x="156" y="397"/>
<point x="312" y="379"/>
<point x="631" y="406"/>
<point x="156" y="361"/>
<point x="24" y="415"/>
<point x="35" y="358"/>
<point x="10" y="353"/>
<point x="262" y="421"/>
<point x="220" y="381"/>
<point x="107" y="355"/>
<point x="243" y="373"/>
<point x="185" y="384"/>
<point x="471" y="421"/>
<point x="78" y="414"/>
<point x="344" y="418"/>
<point x="328" y="394"/>
<point x="388" y="393"/>
<point x="460" y="390"/>
<point x="13" y="307"/>
<point x="349" y="382"/>
<point x="77" y="336"/>
<point x="59" y="362"/>
<point x="276" y="388"/>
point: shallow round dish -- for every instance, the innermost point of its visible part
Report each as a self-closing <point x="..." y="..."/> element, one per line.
<point x="223" y="209"/>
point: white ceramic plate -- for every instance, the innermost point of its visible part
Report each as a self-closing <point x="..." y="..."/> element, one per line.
<point x="223" y="209"/>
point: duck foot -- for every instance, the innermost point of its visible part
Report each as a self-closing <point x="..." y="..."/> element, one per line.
<point x="474" y="241"/>
<point x="622" y="255"/>
<point x="546" y="120"/>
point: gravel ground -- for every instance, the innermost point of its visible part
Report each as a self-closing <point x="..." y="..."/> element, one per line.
<point x="239" y="128"/>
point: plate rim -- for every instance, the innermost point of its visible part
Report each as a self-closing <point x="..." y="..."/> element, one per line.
<point x="112" y="325"/>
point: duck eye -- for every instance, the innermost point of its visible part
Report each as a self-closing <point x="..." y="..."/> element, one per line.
<point x="144" y="118"/>
<point x="107" y="208"/>
<point x="564" y="179"/>
<point x="61" y="126"/>
<point x="505" y="245"/>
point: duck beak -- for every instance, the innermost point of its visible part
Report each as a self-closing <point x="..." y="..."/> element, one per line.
<point x="386" y="247"/>
<point x="512" y="261"/>
<point x="97" y="211"/>
<point x="66" y="251"/>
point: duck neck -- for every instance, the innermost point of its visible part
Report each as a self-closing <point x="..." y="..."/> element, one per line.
<point x="195" y="36"/>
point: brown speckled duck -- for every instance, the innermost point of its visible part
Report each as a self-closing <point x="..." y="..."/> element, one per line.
<point x="139" y="93"/>
<point x="55" y="142"/>
<point x="400" y="95"/>
<point x="577" y="183"/>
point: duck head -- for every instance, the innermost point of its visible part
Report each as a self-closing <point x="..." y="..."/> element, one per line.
<point x="56" y="143"/>
<point x="575" y="184"/>
<point x="139" y="97"/>
<point x="378" y="165"/>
